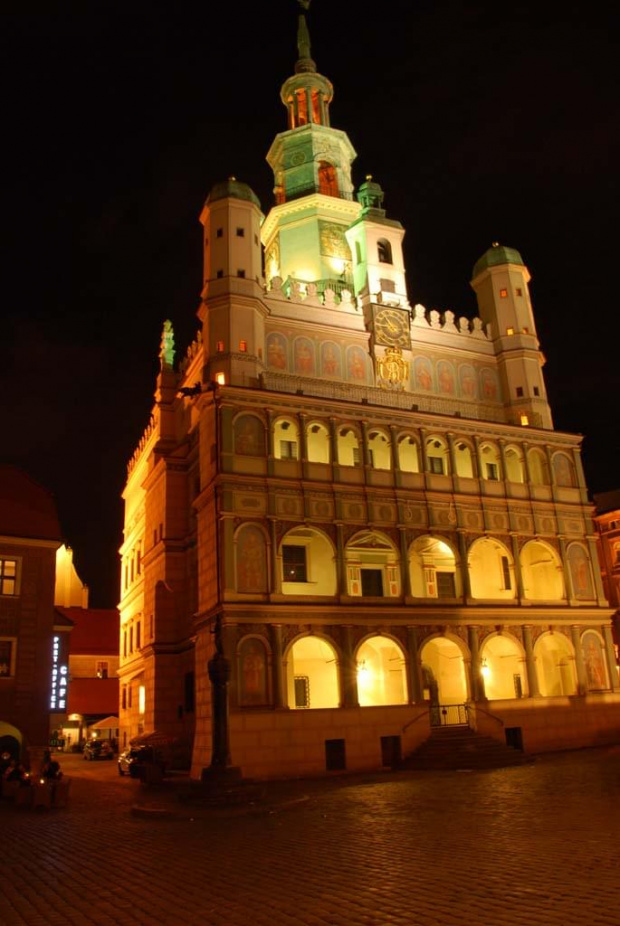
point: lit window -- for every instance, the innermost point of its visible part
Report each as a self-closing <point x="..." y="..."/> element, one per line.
<point x="435" y="465"/>
<point x="220" y="379"/>
<point x="241" y="233"/>
<point x="141" y="699"/>
<point x="510" y="331"/>
<point x="503" y="294"/>
<point x="294" y="567"/>
<point x="446" y="586"/>
<point x="220" y="347"/>
<point x="524" y="420"/>
<point x="243" y="346"/>
<point x="102" y="669"/>
<point x="525" y="330"/>
<point x="8" y="577"/>
<point x="288" y="450"/>
<point x="519" y="392"/>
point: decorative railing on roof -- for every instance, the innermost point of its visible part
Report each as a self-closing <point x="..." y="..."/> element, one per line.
<point x="148" y="433"/>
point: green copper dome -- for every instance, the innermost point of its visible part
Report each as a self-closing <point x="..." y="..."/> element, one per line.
<point x="234" y="189"/>
<point x="497" y="254"/>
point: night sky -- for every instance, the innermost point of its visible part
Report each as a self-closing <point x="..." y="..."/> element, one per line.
<point x="481" y="123"/>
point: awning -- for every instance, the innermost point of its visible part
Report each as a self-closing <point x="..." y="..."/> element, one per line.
<point x="108" y="723"/>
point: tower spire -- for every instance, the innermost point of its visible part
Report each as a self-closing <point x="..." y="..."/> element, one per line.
<point x="304" y="61"/>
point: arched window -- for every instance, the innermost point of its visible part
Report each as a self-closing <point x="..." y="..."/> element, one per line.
<point x="312" y="674"/>
<point x="408" y="456"/>
<point x="555" y="665"/>
<point x="593" y="651"/>
<point x="302" y="107"/>
<point x="443" y="671"/>
<point x="490" y="467"/>
<point x="539" y="468"/>
<point x="308" y="563"/>
<point x="432" y="569"/>
<point x="317" y="442"/>
<point x="328" y="179"/>
<point x="384" y="251"/>
<point x="563" y="470"/>
<point x="379" y="453"/>
<point x="285" y="439"/>
<point x="463" y="460"/>
<point x="503" y="670"/>
<point x="381" y="672"/>
<point x="542" y="572"/>
<point x="253" y="672"/>
<point x="437" y="455"/>
<point x="514" y="464"/>
<point x="372" y="566"/>
<point x="249" y="436"/>
<point x="491" y="570"/>
<point x="349" y="453"/>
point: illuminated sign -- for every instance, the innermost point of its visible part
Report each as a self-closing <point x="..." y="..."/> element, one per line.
<point x="60" y="677"/>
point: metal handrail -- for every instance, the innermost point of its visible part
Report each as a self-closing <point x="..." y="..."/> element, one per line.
<point x="488" y="713"/>
<point x="415" y="719"/>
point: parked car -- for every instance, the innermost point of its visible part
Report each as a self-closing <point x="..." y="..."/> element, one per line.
<point x="134" y="761"/>
<point x="98" y="749"/>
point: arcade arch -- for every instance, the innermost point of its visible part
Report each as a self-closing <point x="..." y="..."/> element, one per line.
<point x="432" y="569"/>
<point x="312" y="674"/>
<point x="542" y="572"/>
<point x="502" y="667"/>
<point x="308" y="563"/>
<point x="491" y="570"/>
<point x="443" y="670"/>
<point x="555" y="665"/>
<point x="381" y="672"/>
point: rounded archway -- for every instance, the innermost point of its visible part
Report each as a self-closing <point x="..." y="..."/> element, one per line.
<point x="318" y="444"/>
<point x="542" y="572"/>
<point x="10" y="740"/>
<point x="444" y="670"/>
<point x="408" y="454"/>
<point x="503" y="670"/>
<point x="312" y="674"/>
<point x="308" y="563"/>
<point x="432" y="569"/>
<point x="555" y="665"/>
<point x="381" y="672"/>
<point x="491" y="570"/>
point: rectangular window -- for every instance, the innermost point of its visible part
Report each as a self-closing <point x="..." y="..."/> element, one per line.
<point x="302" y="691"/>
<point x="131" y="639"/>
<point x="335" y="756"/>
<point x="219" y="233"/>
<point x="510" y="331"/>
<point x="503" y="294"/>
<point x="536" y="391"/>
<point x="124" y="642"/>
<point x="129" y="696"/>
<point x="288" y="450"/>
<point x="506" y="572"/>
<point x="294" y="566"/>
<point x="357" y="457"/>
<point x="519" y="291"/>
<point x="219" y="274"/>
<point x="372" y="583"/>
<point x="519" y="392"/>
<point x="124" y="698"/>
<point x="8" y="576"/>
<point x="138" y="635"/>
<point x="243" y="346"/>
<point x="436" y="465"/>
<point x="7" y="658"/>
<point x="445" y="585"/>
<point x="241" y="273"/>
<point x="190" y="696"/>
<point x="241" y="233"/>
<point x="141" y="699"/>
<point x="492" y="472"/>
<point x="139" y="560"/>
<point x="102" y="669"/>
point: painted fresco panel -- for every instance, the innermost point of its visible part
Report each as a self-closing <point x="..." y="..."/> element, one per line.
<point x="249" y="434"/>
<point x="331" y="360"/>
<point x="251" y="560"/>
<point x="277" y="351"/>
<point x="304" y="357"/>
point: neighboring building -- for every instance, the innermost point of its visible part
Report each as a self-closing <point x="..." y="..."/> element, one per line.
<point x="607" y="519"/>
<point x="93" y="656"/>
<point x="369" y="496"/>
<point x="32" y="639"/>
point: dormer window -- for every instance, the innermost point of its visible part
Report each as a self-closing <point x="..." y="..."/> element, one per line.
<point x="384" y="251"/>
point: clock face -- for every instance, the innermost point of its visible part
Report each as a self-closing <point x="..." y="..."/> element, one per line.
<point x="392" y="327"/>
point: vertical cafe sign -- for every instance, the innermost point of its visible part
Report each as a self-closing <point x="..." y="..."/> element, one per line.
<point x="60" y="675"/>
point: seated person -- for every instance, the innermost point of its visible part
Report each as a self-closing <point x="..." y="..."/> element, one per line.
<point x="50" y="769"/>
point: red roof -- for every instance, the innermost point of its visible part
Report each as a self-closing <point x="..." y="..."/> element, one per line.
<point x="26" y="508"/>
<point x="95" y="631"/>
<point x="93" y="696"/>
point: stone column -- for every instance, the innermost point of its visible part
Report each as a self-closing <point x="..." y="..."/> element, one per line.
<point x="526" y="463"/>
<point x="463" y="564"/>
<point x="502" y="458"/>
<point x="476" y="680"/>
<point x="405" y="579"/>
<point x="611" y="658"/>
<point x="348" y="670"/>
<point x="582" y="678"/>
<point x="530" y="662"/>
<point x="568" y="593"/>
<point x="270" y="443"/>
<point x="277" y="666"/>
<point x="341" y="570"/>
<point x="517" y="562"/>
<point x="476" y="460"/>
<point x="452" y="453"/>
<point x="550" y="465"/>
<point x="303" y="439"/>
<point x="364" y="448"/>
<point x="394" y="454"/>
<point x="275" y="571"/>
<point x="424" y="455"/>
<point x="416" y="687"/>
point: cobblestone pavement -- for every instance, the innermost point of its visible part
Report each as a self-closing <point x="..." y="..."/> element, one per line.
<point x="535" y="845"/>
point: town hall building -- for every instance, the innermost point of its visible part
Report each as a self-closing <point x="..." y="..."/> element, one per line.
<point x="367" y="497"/>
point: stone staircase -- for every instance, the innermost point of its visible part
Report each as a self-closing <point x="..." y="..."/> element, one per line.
<point x="459" y="747"/>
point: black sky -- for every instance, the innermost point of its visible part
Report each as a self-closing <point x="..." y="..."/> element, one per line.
<point x="482" y="121"/>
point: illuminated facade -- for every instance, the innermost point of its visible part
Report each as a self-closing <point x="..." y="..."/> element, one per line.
<point x="607" y="521"/>
<point x="370" y="496"/>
